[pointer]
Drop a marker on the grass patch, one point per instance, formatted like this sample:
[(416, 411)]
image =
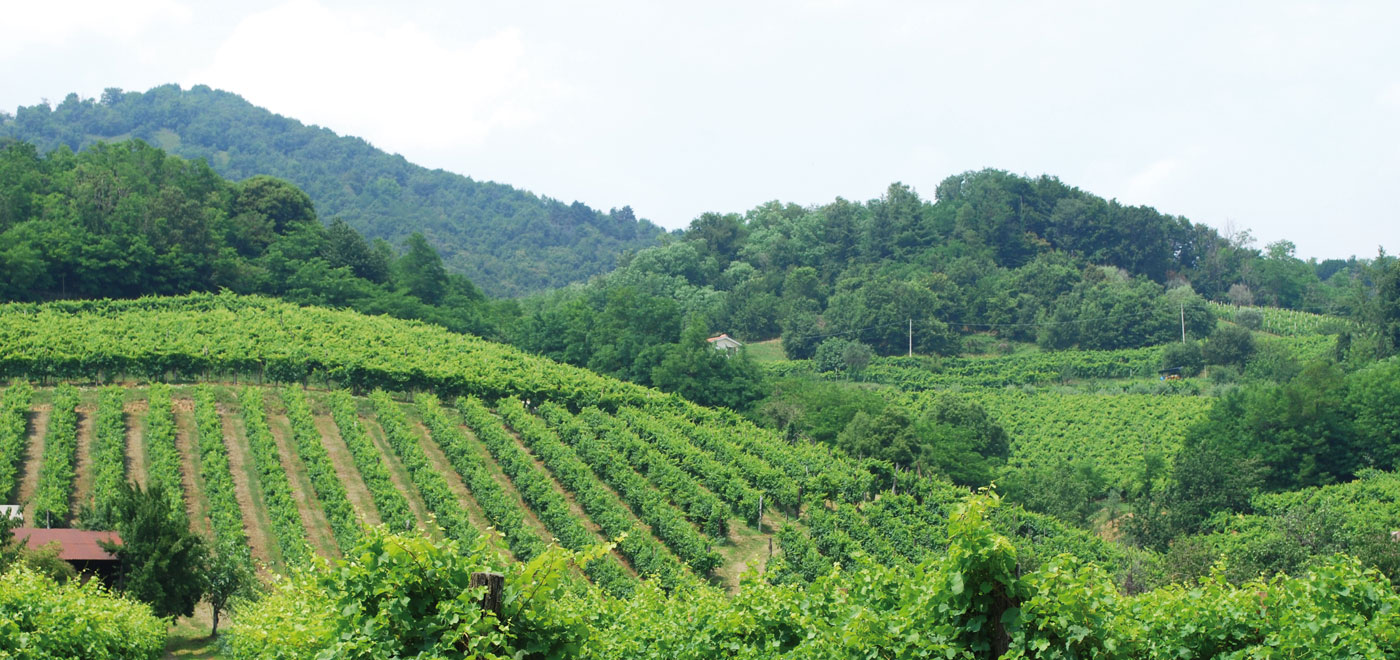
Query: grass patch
[(766, 351)]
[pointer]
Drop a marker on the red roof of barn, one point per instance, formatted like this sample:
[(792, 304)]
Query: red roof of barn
[(74, 544)]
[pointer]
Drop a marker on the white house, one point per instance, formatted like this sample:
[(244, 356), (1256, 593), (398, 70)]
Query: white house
[(725, 343)]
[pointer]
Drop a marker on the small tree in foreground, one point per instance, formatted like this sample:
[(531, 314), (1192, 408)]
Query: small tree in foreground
[(228, 575), (162, 561)]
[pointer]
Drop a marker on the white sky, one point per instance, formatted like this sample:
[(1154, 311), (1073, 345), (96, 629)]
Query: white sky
[(1280, 117)]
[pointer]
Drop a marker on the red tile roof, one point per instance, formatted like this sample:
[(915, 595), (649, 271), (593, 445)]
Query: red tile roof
[(75, 544)]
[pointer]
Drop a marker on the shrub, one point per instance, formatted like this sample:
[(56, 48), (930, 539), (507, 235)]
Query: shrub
[(1186, 357), (1250, 319), (40, 618), (1229, 344)]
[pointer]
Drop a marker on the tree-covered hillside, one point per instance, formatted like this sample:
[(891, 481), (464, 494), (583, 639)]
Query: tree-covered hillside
[(126, 220), (508, 241), (993, 254)]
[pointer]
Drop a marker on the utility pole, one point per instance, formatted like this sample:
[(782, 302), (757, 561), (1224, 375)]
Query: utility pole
[(911, 337), (1183, 323)]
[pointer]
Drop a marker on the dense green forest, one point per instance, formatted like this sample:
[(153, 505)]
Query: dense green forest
[(995, 257), (507, 241), (125, 220)]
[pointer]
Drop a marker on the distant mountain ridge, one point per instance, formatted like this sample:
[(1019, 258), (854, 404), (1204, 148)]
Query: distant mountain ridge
[(508, 241)]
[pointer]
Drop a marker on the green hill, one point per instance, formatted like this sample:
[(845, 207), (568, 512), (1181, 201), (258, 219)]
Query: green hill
[(507, 241)]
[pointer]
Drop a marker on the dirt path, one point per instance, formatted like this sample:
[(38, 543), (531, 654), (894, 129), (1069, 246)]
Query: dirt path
[(397, 473), (248, 491), (577, 510), (344, 464), (82, 490), (136, 466), (196, 506), (33, 457), (495, 470), (439, 461), (313, 518)]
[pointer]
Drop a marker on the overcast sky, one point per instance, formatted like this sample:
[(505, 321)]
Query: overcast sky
[(1278, 117)]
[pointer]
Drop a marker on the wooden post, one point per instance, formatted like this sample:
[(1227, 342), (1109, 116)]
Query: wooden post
[(495, 584)]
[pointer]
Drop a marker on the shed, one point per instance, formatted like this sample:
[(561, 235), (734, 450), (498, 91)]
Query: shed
[(725, 343), (75, 546)]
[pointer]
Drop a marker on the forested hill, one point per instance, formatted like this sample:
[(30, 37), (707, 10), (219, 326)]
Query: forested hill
[(507, 241)]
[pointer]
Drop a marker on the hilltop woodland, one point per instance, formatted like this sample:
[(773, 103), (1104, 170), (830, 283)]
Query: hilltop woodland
[(508, 241)]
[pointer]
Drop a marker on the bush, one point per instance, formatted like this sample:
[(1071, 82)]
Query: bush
[(1250, 319), (1185, 357), (40, 618), (842, 356), (408, 596), (1229, 344)]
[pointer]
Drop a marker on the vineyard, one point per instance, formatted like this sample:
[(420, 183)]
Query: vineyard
[(1114, 431), (431, 431), (284, 433)]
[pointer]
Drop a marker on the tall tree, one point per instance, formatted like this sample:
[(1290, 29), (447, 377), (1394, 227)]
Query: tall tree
[(419, 271), (162, 561)]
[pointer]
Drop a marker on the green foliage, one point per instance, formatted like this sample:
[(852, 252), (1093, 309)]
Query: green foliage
[(57, 472), (680, 487), (1184, 359), (163, 563), (276, 487), (816, 409), (725, 480), (45, 620), (951, 437), (508, 240), (294, 619), (597, 449), (324, 480), (1249, 319), (203, 333), (431, 485), (14, 408), (501, 509), (398, 597), (537, 490), (1229, 344), (225, 516), (698, 372), (1299, 431), (1112, 431), (393, 508), (108, 454), (162, 456), (842, 356), (647, 556), (124, 220), (1065, 489)]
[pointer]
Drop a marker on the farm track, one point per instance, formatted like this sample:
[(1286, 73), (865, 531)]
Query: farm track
[(577, 509), (136, 466), (33, 457), (345, 469), (248, 491), (196, 506), (82, 463), (399, 475), (313, 518), (454, 481), (509, 488)]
